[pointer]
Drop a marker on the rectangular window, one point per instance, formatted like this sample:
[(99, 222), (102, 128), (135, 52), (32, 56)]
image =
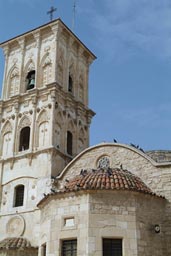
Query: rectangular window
[(69, 222), (19, 196), (69, 247), (112, 247)]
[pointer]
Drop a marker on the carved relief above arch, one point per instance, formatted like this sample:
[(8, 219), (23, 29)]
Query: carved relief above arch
[(7, 127), (59, 118), (46, 66), (81, 88), (71, 126), (42, 117), (72, 68), (29, 66), (24, 122), (81, 133), (13, 81), (80, 145), (60, 67), (81, 140)]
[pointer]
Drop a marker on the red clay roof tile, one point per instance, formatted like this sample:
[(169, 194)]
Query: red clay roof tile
[(14, 243), (107, 179)]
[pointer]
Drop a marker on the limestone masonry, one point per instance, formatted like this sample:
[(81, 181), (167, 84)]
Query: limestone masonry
[(58, 196)]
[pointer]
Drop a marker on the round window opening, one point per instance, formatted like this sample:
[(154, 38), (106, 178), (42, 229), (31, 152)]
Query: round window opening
[(104, 162)]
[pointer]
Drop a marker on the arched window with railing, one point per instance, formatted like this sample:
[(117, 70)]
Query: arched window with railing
[(24, 138)]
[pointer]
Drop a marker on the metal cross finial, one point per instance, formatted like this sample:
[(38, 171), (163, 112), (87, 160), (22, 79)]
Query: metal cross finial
[(51, 11), (73, 17)]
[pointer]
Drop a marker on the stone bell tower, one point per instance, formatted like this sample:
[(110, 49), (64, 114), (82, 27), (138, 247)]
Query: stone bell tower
[(44, 114)]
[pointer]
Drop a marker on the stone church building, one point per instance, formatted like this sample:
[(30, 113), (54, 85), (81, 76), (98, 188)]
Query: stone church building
[(58, 196)]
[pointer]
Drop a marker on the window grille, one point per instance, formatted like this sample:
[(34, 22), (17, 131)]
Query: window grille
[(19, 196), (112, 247), (69, 247)]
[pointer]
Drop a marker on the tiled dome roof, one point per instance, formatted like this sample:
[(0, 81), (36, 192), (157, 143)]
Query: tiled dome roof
[(15, 243), (110, 179)]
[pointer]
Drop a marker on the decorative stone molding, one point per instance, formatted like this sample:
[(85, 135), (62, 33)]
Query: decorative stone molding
[(50, 105), (15, 226), (103, 162), (7, 128), (12, 161), (25, 121), (43, 117)]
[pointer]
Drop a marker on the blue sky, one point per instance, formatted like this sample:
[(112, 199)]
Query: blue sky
[(130, 82)]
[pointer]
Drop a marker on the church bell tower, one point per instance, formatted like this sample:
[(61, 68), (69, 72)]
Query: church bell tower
[(44, 114)]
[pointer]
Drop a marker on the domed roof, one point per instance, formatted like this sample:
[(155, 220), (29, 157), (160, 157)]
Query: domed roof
[(15, 243), (106, 179)]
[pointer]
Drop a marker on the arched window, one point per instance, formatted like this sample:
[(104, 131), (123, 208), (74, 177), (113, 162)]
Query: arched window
[(24, 139), (19, 196), (30, 79), (69, 142), (70, 83)]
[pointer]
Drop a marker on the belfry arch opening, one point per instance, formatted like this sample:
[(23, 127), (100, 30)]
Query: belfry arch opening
[(69, 143), (30, 80), (70, 83), (24, 139)]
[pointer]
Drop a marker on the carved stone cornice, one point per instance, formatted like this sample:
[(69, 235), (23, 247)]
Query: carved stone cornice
[(1, 106), (37, 36), (31, 154), (21, 42), (6, 51), (56, 30)]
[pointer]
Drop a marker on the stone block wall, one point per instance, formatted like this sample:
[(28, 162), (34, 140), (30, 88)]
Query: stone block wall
[(130, 216), (53, 228), (25, 224), (112, 215), (26, 252), (150, 211)]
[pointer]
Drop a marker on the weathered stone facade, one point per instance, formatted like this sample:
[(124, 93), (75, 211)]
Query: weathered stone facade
[(53, 188), (131, 215), (44, 118)]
